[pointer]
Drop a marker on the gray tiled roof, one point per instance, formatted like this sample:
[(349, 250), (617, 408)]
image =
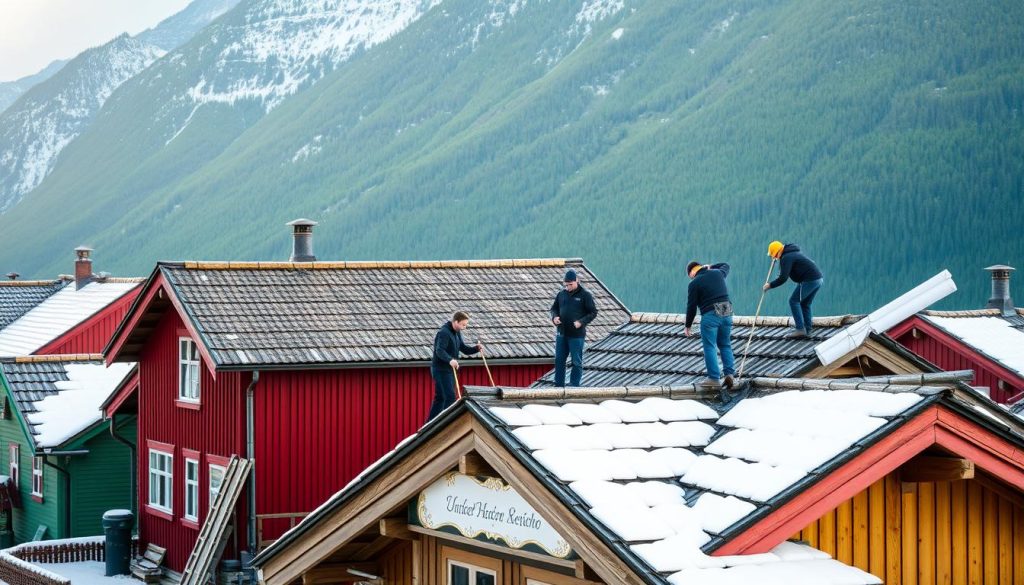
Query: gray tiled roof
[(651, 350), (18, 297), (279, 314)]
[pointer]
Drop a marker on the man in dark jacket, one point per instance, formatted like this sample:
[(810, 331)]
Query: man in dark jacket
[(447, 345), (708, 292), (573, 308), (804, 272)]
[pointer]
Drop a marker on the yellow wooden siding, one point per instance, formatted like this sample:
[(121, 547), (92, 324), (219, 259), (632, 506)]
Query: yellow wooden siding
[(936, 533)]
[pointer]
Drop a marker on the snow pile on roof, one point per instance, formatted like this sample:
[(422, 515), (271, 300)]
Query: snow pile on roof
[(660, 475), (992, 336), (58, 314), (77, 405)]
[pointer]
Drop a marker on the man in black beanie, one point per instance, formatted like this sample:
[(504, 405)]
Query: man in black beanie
[(573, 308)]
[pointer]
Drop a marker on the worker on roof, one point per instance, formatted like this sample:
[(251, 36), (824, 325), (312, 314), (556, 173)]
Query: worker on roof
[(793, 264), (572, 310), (447, 345), (709, 293)]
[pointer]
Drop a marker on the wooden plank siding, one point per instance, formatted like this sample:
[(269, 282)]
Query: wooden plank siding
[(92, 335), (935, 533)]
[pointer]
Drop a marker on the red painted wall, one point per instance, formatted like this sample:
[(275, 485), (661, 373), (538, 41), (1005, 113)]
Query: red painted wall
[(949, 354), (92, 335), (319, 429), (217, 428), (315, 431)]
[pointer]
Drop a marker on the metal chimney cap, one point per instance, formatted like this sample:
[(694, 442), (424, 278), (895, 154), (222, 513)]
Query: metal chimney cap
[(302, 222), (83, 251), (12, 275), (1000, 267)]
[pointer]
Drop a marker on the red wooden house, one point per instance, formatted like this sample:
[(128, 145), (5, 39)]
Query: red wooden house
[(324, 363), (989, 341)]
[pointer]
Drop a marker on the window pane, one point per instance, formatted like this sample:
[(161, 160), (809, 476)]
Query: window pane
[(458, 575), (484, 579)]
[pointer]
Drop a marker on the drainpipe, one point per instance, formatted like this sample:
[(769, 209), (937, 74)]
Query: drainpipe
[(67, 484), (250, 453), (132, 466)]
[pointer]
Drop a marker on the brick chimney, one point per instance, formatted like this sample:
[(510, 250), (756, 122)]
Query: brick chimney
[(1001, 289), (302, 240), (83, 266)]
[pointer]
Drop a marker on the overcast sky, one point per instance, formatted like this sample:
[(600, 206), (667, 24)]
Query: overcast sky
[(35, 32)]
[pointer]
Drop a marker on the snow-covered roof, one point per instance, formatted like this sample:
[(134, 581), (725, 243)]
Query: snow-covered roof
[(58, 314), (669, 476), (989, 333), (59, 396)]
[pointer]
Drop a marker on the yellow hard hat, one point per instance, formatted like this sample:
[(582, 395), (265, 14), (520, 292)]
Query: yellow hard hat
[(775, 248)]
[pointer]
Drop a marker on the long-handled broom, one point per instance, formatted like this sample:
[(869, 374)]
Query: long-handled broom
[(753, 325)]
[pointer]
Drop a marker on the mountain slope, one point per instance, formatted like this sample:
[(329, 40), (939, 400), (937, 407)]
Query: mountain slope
[(51, 114), (883, 138), (12, 90)]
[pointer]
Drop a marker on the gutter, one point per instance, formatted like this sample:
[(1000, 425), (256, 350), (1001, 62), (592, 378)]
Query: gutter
[(132, 466), (250, 453)]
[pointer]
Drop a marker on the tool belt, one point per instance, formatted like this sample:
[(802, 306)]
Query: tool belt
[(723, 309)]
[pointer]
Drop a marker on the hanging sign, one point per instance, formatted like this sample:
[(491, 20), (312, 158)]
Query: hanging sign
[(487, 509)]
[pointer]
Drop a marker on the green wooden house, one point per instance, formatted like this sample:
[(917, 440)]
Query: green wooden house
[(67, 464)]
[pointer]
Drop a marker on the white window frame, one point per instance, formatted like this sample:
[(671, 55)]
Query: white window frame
[(37, 476), (473, 571), (14, 464), (213, 492), (191, 490), (188, 370), (159, 476)]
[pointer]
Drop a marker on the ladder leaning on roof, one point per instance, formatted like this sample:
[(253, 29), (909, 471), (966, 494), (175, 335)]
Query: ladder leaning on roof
[(213, 535)]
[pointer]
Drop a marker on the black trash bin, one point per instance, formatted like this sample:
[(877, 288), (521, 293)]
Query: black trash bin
[(117, 547)]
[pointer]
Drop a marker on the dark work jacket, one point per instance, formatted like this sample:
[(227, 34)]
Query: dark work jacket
[(571, 307), (795, 265), (447, 345), (706, 289)]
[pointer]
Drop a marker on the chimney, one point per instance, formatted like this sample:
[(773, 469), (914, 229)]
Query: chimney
[(1001, 289), (83, 266), (302, 240), (13, 275)]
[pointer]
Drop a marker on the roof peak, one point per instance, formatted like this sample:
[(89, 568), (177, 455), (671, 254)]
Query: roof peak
[(372, 264), (16, 283), (745, 320)]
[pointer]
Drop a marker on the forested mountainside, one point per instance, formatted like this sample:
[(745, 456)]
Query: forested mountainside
[(882, 137)]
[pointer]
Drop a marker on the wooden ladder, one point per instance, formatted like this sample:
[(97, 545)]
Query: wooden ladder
[(213, 534)]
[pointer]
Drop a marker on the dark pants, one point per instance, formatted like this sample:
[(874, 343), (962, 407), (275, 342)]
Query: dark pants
[(566, 347), (444, 390), (716, 333), (800, 303)]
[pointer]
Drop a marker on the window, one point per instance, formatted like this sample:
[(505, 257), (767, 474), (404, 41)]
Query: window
[(466, 568), (37, 477), (14, 452), (192, 489), (160, 480), (188, 370), (216, 480)]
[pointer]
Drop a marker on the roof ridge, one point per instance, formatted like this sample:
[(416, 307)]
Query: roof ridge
[(969, 313), (16, 283), (510, 393), (744, 320), (374, 264), (71, 357)]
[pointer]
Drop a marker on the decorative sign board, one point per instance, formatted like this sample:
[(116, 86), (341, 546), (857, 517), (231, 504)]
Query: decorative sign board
[(487, 508)]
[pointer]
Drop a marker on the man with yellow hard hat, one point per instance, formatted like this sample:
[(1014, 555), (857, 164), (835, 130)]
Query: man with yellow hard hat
[(708, 292), (793, 264)]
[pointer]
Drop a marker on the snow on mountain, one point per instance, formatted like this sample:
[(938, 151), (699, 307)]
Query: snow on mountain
[(282, 46), (37, 127), (12, 90)]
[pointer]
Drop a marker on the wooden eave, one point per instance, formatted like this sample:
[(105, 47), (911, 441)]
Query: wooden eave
[(873, 349), (388, 493), (938, 425)]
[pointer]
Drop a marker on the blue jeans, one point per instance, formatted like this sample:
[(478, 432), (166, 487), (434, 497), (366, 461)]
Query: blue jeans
[(715, 333), (566, 347), (800, 303), (444, 390)]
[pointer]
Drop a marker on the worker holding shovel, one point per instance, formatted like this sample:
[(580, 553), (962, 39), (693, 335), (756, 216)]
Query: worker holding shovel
[(793, 264), (444, 364)]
